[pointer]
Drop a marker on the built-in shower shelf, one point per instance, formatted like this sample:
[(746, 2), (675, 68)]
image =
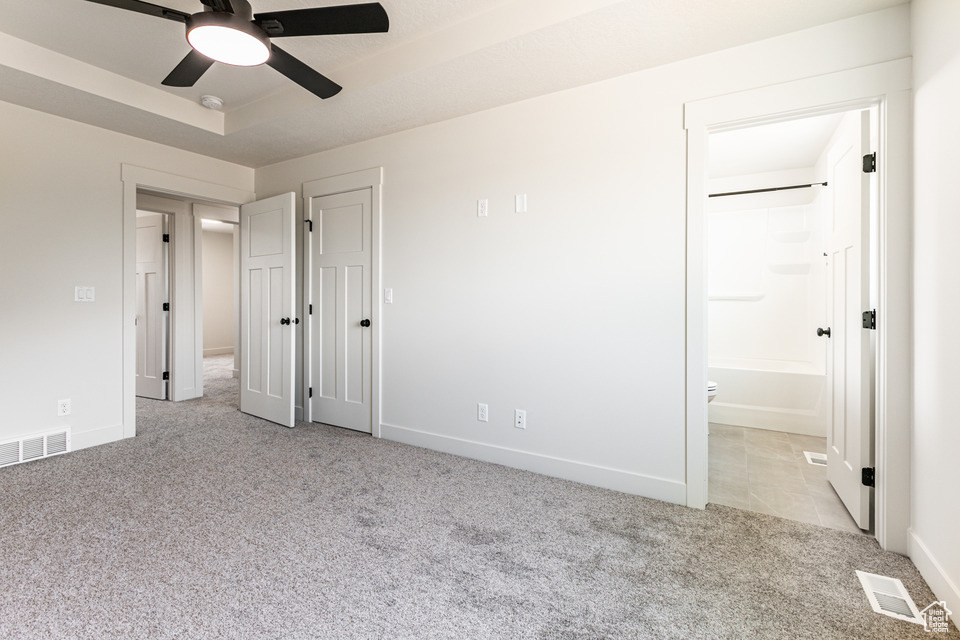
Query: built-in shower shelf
[(791, 236), (790, 268), (743, 296)]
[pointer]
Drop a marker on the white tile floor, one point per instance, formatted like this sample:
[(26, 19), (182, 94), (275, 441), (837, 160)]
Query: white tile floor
[(766, 471)]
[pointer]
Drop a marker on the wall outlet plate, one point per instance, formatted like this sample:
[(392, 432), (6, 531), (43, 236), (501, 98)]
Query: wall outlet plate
[(63, 407), (482, 412), (520, 419), (482, 208)]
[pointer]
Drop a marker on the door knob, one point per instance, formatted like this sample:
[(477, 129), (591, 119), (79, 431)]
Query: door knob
[(284, 320), (364, 323), (824, 332)]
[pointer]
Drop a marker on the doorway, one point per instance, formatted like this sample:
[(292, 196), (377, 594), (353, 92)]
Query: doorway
[(780, 194), (885, 87), (221, 302)]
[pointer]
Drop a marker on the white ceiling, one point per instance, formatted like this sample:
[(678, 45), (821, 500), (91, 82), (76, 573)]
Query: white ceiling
[(795, 144), (440, 59)]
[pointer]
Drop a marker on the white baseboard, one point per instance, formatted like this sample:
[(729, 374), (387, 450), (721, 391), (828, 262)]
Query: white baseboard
[(95, 437), (616, 479), (771, 419), (932, 571), (218, 351)]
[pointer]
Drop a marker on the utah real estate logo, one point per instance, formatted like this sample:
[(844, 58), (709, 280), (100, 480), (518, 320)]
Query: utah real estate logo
[(936, 617)]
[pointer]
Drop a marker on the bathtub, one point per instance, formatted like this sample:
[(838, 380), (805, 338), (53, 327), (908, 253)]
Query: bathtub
[(779, 395)]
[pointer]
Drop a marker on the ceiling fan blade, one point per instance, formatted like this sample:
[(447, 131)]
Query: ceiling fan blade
[(311, 80), (323, 21), (147, 8), (189, 70), (218, 5)]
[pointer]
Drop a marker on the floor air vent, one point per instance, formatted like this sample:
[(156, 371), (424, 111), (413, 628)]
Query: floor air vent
[(889, 597), (34, 447), (816, 458)]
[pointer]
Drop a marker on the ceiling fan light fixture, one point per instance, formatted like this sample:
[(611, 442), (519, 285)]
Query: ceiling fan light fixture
[(226, 38)]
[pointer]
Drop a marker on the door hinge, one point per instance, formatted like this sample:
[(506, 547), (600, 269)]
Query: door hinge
[(311, 310), (867, 476), (310, 392), (870, 162), (310, 225), (166, 237), (166, 375), (870, 319), (166, 306)]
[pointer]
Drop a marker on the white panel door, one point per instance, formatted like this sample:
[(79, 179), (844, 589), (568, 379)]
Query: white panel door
[(340, 329), (849, 437), (151, 318), (267, 308)]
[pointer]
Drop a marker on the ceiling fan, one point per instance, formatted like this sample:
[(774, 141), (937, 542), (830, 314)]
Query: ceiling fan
[(228, 31)]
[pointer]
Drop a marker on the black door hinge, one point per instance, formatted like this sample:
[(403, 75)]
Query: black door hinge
[(310, 392), (166, 306), (166, 237), (310, 225), (870, 162), (867, 476), (311, 309), (166, 375), (870, 319)]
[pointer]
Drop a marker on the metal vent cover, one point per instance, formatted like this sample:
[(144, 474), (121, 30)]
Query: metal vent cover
[(889, 597), (34, 447)]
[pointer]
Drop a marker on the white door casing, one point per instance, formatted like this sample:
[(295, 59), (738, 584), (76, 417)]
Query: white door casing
[(849, 354), (151, 321), (340, 274), (267, 308)]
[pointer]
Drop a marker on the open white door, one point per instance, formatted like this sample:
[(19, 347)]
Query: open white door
[(849, 438), (340, 332), (151, 319), (267, 312)]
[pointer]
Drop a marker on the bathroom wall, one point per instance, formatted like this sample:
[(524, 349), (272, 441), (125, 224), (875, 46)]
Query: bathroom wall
[(767, 297)]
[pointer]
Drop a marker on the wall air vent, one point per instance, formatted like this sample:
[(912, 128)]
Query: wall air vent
[(34, 447)]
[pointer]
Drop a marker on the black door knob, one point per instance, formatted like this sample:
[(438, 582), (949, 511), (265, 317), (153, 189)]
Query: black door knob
[(284, 320), (364, 323), (824, 332), (296, 321)]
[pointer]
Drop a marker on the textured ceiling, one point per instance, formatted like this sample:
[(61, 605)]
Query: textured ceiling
[(441, 59)]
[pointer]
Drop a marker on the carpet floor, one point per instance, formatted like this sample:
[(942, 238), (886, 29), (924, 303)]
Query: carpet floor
[(214, 524)]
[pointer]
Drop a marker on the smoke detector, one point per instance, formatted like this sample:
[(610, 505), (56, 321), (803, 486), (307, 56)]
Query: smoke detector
[(212, 102)]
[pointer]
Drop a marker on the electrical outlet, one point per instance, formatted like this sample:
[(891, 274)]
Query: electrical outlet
[(482, 412), (520, 419), (63, 407), (482, 208)]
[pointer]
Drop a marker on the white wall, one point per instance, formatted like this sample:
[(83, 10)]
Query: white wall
[(573, 311), (218, 292), (936, 442), (61, 205)]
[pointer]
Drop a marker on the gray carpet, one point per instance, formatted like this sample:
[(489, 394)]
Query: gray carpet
[(214, 524)]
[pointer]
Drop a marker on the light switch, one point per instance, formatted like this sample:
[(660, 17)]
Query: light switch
[(521, 201), (90, 294), (388, 296), (79, 294)]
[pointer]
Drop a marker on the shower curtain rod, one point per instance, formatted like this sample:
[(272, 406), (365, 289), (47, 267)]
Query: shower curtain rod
[(740, 193)]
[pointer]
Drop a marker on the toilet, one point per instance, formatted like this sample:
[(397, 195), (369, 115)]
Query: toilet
[(711, 390)]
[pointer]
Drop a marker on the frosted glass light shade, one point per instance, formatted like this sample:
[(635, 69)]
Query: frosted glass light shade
[(229, 45)]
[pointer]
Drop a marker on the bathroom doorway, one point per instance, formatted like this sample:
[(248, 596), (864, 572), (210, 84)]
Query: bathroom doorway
[(791, 372)]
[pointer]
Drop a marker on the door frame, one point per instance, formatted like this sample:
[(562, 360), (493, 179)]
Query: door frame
[(886, 86), (355, 181), (134, 178)]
